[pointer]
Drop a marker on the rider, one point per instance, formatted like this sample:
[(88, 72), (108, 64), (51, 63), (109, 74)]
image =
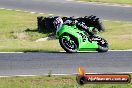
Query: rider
[(81, 25), (58, 22)]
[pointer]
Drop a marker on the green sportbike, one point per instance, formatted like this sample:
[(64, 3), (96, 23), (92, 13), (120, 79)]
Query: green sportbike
[(73, 39)]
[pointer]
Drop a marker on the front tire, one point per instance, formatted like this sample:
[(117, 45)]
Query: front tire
[(69, 46)]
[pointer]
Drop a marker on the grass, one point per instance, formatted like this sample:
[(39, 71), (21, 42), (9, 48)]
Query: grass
[(118, 34), (52, 82), (18, 32), (111, 1)]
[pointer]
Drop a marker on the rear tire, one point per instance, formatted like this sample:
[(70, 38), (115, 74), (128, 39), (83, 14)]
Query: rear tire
[(103, 47)]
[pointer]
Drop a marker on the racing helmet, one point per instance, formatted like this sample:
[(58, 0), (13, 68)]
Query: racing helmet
[(58, 22)]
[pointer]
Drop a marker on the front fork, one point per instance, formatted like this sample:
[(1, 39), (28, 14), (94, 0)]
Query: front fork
[(67, 38)]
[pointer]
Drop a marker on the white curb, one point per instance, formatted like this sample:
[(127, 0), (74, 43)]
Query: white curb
[(51, 14), (83, 51), (65, 74), (32, 12), (11, 52), (69, 0), (106, 4), (121, 50)]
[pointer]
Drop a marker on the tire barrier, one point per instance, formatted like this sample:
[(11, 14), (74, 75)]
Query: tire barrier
[(45, 24)]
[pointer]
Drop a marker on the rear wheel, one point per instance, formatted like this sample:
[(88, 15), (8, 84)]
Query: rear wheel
[(69, 46), (103, 45)]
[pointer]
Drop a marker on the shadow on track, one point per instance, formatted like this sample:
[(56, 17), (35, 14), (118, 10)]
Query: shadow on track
[(58, 52)]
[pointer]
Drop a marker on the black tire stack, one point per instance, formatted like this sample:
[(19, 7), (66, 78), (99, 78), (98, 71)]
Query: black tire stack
[(45, 24)]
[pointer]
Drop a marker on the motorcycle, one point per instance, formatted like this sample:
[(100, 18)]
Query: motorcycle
[(72, 39)]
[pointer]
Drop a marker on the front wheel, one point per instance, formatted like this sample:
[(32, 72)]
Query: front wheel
[(70, 45)]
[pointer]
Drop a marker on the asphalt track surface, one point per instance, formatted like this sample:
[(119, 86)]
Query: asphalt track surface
[(41, 63), (70, 8), (64, 63)]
